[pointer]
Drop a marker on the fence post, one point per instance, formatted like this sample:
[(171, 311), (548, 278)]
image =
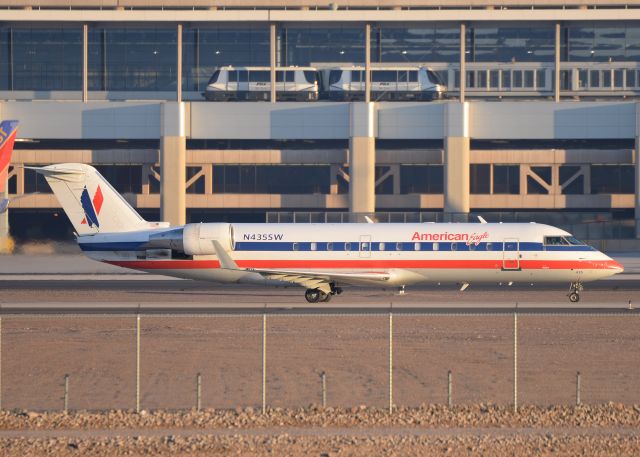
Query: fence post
[(515, 360), (264, 363), (66, 393), (324, 389), (449, 389), (138, 362), (390, 361), (578, 387), (198, 392)]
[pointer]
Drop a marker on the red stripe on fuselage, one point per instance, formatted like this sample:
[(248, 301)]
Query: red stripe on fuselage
[(359, 264)]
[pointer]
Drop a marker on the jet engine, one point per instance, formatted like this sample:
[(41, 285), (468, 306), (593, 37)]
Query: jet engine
[(194, 239)]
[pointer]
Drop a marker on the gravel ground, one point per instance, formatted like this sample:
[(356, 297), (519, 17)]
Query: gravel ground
[(490, 430)]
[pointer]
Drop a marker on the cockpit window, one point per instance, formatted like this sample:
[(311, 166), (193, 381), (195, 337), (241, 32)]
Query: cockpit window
[(562, 241)]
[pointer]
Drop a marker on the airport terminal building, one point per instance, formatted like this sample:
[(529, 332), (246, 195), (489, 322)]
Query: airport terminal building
[(537, 116)]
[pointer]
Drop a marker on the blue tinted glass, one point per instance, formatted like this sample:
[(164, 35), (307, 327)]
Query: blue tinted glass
[(416, 44), (43, 58), (305, 46), (602, 41), (5, 62), (132, 59), (206, 48), (511, 43)]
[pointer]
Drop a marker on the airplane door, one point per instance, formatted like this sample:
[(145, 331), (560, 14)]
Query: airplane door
[(365, 245), (511, 254)]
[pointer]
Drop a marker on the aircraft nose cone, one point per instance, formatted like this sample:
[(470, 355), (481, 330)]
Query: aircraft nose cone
[(618, 268)]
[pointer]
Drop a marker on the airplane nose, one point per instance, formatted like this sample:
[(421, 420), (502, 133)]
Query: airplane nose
[(618, 268)]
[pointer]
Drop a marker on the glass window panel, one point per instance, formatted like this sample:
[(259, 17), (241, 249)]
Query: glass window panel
[(506, 179), (510, 43), (259, 76), (379, 76), (612, 179), (534, 187), (421, 179), (480, 178), (306, 46), (543, 172)]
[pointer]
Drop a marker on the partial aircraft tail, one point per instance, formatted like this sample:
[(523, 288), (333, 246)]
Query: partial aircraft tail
[(89, 201), (8, 131)]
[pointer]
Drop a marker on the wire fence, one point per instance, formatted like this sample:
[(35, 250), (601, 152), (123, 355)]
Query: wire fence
[(385, 360)]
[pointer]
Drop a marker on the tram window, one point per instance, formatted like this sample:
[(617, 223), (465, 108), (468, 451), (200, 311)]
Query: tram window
[(381, 246), (494, 79), (347, 246), (356, 76), (334, 76), (540, 79), (398, 246), (436, 246), (243, 76), (290, 76), (606, 79), (384, 76), (329, 246), (314, 246), (233, 76), (517, 78), (506, 80), (296, 246), (413, 76), (214, 77), (434, 77), (595, 78), (311, 76), (259, 77), (482, 79), (416, 246), (279, 76), (618, 78)]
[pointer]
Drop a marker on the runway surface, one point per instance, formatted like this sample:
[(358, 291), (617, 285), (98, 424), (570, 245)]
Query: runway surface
[(169, 296)]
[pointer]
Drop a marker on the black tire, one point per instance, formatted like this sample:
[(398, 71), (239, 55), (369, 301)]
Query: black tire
[(326, 298), (312, 295), (574, 297)]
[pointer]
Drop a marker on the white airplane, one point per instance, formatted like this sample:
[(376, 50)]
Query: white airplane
[(322, 258)]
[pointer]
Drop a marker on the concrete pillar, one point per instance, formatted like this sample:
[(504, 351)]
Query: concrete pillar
[(456, 159), (173, 149), (463, 60), (362, 158), (85, 63)]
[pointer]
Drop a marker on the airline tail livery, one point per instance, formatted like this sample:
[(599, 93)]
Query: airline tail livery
[(321, 258), (8, 131)]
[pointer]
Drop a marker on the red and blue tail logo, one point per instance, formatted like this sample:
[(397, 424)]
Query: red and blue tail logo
[(91, 207), (8, 131)]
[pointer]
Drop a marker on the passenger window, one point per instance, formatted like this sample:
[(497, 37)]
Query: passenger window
[(416, 246), (279, 75), (454, 246), (291, 76), (296, 246), (233, 76), (381, 246), (310, 76), (314, 246), (436, 246), (259, 77), (355, 76), (329, 246), (335, 76), (413, 76), (214, 77), (243, 76), (347, 246), (364, 246), (398, 246), (384, 76), (489, 246), (472, 246)]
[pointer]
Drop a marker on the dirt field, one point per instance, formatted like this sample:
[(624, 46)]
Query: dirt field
[(99, 355)]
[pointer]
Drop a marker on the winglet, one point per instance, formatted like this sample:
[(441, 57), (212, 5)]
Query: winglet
[(369, 220), (7, 138), (225, 259), (482, 220)]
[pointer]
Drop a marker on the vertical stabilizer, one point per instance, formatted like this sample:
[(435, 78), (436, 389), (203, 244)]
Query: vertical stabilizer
[(89, 201)]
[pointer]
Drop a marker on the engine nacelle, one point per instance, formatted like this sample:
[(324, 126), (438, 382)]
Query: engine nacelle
[(197, 238)]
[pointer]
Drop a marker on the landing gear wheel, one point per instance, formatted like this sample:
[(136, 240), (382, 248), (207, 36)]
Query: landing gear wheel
[(574, 297), (313, 295), (325, 297)]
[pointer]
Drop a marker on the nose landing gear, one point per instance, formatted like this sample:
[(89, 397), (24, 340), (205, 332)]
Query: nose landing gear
[(574, 292)]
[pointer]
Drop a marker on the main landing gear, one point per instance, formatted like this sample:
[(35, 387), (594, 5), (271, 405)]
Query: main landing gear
[(574, 292), (317, 295)]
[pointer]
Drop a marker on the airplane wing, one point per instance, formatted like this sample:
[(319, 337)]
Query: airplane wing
[(310, 279), (319, 279)]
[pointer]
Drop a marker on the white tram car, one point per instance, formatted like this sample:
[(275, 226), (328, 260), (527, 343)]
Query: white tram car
[(393, 83), (254, 83)]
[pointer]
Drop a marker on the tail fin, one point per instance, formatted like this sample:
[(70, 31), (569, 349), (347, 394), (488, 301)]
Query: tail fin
[(8, 131), (89, 201)]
